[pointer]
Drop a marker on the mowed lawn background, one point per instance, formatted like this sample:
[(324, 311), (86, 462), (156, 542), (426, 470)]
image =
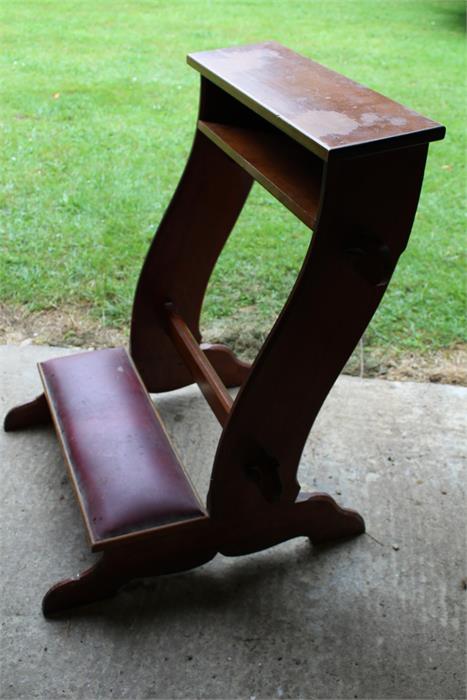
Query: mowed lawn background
[(97, 120)]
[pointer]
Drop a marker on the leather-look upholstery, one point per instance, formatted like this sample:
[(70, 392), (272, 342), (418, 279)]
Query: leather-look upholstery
[(123, 465)]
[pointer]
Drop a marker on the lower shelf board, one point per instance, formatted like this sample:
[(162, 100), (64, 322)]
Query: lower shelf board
[(280, 164)]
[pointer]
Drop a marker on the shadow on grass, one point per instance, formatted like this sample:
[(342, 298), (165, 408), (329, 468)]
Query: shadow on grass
[(452, 15)]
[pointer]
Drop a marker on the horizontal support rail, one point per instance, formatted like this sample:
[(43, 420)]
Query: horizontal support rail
[(199, 366)]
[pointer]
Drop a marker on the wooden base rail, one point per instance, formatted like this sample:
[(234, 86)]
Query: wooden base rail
[(201, 369), (346, 161)]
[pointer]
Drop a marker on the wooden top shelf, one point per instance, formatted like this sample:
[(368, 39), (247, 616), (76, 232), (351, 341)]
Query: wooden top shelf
[(327, 113)]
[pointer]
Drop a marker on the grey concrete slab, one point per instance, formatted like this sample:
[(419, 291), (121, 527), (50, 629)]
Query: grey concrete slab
[(382, 616)]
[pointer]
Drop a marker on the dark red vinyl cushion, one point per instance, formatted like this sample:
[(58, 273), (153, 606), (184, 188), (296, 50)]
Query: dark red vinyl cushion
[(126, 471)]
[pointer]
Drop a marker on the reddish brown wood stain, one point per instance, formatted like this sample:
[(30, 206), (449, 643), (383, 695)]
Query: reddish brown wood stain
[(270, 115)]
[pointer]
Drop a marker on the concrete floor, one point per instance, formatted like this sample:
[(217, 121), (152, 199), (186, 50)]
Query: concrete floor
[(381, 616)]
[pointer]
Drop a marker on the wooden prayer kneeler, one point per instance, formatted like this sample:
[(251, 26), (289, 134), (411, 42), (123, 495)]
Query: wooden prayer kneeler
[(346, 161)]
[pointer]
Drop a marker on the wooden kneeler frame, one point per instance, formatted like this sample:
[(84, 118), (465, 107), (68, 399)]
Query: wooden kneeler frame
[(347, 162)]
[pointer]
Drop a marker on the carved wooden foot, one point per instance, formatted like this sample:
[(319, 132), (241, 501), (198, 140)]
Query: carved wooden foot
[(121, 565), (97, 583), (323, 520), (27, 415), (230, 369), (316, 516)]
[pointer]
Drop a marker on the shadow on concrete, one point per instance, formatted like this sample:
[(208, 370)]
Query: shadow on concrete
[(164, 600)]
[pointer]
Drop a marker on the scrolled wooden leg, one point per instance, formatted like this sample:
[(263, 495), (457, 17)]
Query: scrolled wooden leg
[(179, 263), (27, 415)]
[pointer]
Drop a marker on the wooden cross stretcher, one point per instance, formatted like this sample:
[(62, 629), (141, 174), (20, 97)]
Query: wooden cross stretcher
[(346, 161)]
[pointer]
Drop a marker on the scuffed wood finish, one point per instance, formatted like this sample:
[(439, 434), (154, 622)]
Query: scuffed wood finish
[(321, 109)]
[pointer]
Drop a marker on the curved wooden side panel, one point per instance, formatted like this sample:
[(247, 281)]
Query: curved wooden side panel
[(195, 227), (367, 209)]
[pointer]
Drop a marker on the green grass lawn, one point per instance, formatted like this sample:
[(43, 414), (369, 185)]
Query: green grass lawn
[(98, 113)]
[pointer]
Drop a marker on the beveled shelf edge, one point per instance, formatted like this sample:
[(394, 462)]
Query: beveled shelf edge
[(411, 138), (308, 215)]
